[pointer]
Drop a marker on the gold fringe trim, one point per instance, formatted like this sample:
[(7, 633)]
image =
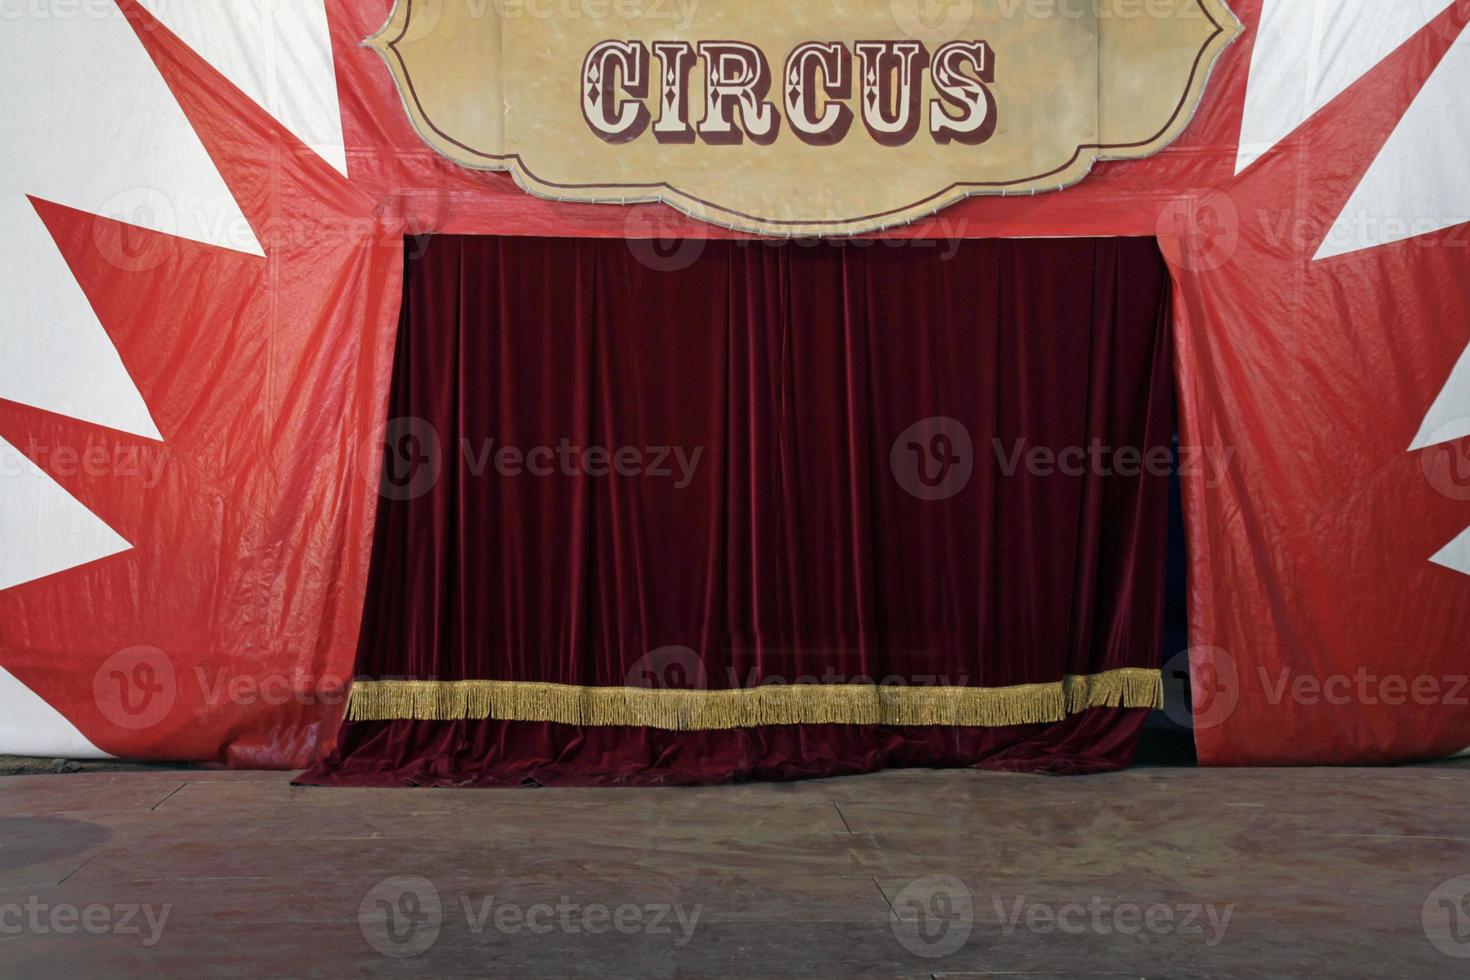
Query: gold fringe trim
[(773, 704)]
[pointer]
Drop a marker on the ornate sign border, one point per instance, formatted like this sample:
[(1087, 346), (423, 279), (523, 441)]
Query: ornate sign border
[(1226, 28)]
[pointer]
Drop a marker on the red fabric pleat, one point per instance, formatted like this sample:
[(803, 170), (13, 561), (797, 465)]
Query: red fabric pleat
[(787, 535)]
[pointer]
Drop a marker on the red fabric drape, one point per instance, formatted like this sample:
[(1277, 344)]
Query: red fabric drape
[(524, 753), (711, 462)]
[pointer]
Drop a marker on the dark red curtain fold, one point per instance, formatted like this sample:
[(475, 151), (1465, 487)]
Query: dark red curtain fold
[(523, 753), (749, 462)]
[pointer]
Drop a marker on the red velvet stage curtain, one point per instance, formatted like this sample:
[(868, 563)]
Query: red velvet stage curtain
[(926, 465)]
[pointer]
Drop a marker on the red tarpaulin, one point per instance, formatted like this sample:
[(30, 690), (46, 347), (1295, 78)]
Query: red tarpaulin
[(204, 272)]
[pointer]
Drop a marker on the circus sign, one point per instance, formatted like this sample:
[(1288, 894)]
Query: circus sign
[(754, 115)]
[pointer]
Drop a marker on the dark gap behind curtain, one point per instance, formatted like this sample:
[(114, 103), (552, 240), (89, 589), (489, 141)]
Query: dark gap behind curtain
[(798, 547)]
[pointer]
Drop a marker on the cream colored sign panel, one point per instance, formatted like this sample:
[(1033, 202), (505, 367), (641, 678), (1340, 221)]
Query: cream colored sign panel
[(800, 117)]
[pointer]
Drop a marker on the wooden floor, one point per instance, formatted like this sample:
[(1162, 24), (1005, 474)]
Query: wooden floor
[(1149, 873)]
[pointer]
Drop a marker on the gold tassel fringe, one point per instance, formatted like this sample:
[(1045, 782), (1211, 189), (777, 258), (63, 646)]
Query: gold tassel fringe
[(773, 704)]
